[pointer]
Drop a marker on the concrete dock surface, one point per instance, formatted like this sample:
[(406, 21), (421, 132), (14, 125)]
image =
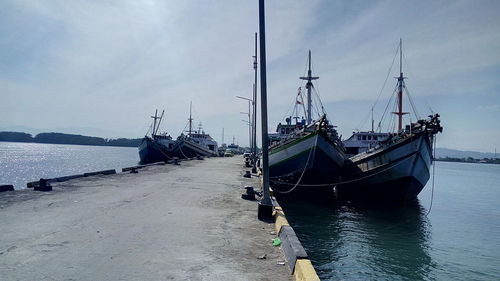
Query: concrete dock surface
[(168, 222)]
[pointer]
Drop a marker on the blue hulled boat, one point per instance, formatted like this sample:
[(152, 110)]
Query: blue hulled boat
[(159, 146), (306, 157)]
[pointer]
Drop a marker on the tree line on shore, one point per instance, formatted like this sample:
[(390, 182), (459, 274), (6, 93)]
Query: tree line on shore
[(60, 138), (469, 160)]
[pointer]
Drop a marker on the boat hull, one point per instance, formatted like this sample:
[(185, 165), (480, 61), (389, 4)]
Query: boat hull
[(189, 149), (311, 161), (151, 152), (396, 173)]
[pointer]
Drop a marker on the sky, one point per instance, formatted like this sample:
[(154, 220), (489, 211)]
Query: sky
[(102, 68)]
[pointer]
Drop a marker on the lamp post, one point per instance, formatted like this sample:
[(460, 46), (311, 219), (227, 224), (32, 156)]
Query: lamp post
[(254, 121), (250, 123), (265, 209)]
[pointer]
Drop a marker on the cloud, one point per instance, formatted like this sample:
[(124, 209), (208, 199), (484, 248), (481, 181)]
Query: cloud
[(109, 64), (490, 107)]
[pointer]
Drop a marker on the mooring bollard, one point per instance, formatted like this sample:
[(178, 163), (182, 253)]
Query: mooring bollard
[(250, 195), (175, 161), (134, 171), (247, 174), (43, 185), (199, 157)]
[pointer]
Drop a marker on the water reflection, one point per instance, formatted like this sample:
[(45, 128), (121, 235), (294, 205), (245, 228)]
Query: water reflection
[(363, 242)]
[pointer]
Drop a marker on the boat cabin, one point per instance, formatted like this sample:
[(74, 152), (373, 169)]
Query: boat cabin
[(360, 142), (204, 139), (164, 139), (284, 130)]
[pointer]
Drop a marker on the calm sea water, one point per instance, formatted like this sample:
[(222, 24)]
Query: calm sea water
[(458, 240), (24, 162)]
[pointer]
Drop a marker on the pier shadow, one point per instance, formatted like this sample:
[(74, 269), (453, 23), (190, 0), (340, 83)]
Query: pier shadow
[(363, 241)]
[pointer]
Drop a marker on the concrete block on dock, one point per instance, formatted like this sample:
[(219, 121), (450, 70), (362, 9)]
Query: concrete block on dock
[(291, 246), (104, 172), (128, 169), (304, 271), (6, 187), (67, 178)]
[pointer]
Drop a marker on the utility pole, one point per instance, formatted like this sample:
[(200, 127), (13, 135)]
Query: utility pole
[(254, 135), (265, 209)]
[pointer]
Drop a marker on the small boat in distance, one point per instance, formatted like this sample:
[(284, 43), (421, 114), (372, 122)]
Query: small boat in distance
[(157, 147), (306, 157), (390, 166), (195, 143)]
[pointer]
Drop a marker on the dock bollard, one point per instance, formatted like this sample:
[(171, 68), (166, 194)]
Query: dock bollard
[(250, 195), (43, 186), (175, 161), (133, 171), (247, 174), (199, 157)]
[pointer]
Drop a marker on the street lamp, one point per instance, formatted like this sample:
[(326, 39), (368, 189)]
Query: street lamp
[(250, 124)]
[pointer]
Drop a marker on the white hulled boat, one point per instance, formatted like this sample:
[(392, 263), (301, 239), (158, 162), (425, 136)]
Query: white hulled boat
[(195, 143)]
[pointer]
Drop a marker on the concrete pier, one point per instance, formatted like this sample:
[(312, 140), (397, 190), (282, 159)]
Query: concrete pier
[(167, 222)]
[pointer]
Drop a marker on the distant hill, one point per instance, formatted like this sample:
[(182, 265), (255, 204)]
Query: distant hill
[(453, 153), (60, 138)]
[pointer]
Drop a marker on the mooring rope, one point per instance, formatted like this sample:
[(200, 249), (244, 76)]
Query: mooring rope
[(170, 158), (313, 148), (433, 174), (343, 182), (182, 152)]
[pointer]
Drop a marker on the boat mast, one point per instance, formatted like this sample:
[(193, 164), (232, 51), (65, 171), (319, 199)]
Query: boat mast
[(158, 125), (372, 121), (309, 86), (401, 81), (190, 118), (154, 122)]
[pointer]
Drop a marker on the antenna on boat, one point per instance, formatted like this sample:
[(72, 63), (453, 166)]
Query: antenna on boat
[(222, 136), (309, 86), (372, 120), (190, 118), (401, 82)]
